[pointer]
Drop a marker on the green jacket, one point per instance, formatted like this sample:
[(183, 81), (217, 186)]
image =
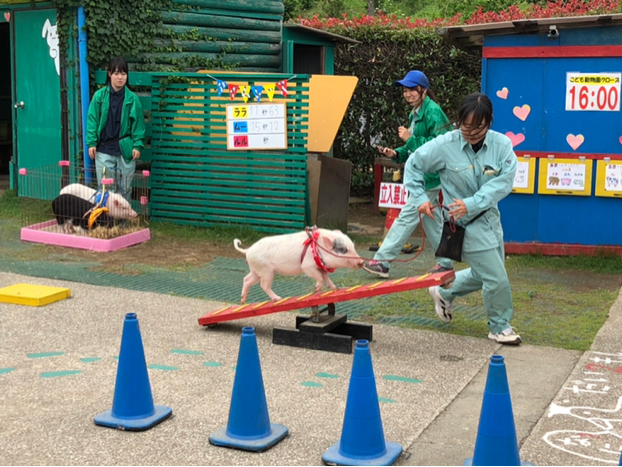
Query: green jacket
[(132, 130), (431, 122)]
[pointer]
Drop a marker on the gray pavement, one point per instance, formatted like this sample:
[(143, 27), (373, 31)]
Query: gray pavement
[(58, 368)]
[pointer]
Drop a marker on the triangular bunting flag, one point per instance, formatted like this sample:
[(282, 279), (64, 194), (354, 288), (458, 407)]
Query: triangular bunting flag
[(257, 91), (233, 90), (282, 85), (270, 91), (246, 92), (221, 86)]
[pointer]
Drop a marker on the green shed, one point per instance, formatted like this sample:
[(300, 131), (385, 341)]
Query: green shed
[(42, 117)]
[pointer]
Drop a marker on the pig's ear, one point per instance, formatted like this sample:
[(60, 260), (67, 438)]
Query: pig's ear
[(327, 242)]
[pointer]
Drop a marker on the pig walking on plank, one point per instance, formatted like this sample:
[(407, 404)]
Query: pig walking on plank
[(293, 254), (117, 205), (73, 211)]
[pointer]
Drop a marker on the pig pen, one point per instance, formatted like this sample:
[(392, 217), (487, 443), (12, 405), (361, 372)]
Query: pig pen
[(128, 221)]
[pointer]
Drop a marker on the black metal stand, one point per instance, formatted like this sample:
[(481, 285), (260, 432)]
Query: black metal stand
[(329, 332)]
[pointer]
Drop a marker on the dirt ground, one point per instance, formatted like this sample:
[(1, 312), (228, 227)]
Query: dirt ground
[(164, 252)]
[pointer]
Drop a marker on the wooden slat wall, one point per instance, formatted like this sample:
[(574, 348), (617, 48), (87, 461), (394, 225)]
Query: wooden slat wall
[(196, 180), (244, 34)]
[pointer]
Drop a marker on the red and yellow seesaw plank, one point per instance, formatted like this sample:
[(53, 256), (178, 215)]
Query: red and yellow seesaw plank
[(323, 298)]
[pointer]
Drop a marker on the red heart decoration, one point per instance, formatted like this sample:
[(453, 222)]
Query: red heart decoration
[(7, 16)]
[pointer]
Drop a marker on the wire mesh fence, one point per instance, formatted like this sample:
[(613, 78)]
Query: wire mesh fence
[(77, 201)]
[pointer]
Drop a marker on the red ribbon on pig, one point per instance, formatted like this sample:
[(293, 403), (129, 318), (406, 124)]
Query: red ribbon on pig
[(312, 240)]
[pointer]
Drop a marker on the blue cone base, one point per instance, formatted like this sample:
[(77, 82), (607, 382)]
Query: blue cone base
[(220, 438), (469, 461), (133, 424), (332, 456)]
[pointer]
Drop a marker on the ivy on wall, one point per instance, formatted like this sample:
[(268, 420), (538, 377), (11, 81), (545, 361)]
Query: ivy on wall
[(130, 29), (114, 27)]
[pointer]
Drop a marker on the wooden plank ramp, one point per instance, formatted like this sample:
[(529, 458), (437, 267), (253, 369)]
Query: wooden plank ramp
[(356, 292)]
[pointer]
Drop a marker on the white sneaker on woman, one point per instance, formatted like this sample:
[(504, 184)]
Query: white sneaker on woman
[(443, 307), (508, 336)]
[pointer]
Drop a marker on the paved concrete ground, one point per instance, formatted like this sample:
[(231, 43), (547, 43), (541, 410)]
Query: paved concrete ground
[(58, 367)]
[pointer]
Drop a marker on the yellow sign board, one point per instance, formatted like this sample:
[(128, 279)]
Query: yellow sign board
[(329, 97)]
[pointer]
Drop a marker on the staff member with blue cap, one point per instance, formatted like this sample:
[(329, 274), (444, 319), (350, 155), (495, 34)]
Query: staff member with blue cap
[(426, 121)]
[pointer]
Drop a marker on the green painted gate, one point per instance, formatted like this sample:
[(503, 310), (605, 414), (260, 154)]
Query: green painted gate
[(196, 180), (37, 90)]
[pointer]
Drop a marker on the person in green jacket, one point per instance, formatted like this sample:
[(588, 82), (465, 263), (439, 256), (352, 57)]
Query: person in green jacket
[(115, 131), (425, 122)]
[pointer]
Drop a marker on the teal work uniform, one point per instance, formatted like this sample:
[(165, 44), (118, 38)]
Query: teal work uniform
[(481, 180), (425, 123), (131, 133)]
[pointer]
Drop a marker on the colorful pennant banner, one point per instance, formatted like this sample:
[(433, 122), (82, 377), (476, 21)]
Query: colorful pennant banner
[(257, 91)]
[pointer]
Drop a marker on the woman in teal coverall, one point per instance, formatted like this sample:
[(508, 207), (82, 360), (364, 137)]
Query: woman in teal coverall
[(476, 166), (115, 131), (426, 121)]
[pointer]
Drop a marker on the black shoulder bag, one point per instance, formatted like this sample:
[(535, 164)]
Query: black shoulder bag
[(452, 237)]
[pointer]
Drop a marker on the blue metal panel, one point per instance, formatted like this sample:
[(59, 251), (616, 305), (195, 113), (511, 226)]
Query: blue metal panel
[(519, 217), (524, 79), (601, 130), (580, 220), (607, 35), (533, 40), (541, 83), (484, 75)]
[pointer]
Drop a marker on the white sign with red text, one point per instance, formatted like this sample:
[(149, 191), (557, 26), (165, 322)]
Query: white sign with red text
[(593, 91), (392, 195)]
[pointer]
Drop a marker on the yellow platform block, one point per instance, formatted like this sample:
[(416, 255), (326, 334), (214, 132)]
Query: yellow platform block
[(33, 295)]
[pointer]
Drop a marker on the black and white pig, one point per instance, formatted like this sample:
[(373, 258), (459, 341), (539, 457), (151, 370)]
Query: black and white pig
[(72, 211), (282, 254), (118, 206)]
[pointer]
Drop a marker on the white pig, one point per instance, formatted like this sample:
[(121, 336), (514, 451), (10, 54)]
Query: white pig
[(118, 206), (282, 254)]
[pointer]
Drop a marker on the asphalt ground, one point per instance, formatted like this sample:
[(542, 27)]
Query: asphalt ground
[(58, 367)]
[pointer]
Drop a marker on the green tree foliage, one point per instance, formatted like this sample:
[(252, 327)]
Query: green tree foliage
[(384, 56)]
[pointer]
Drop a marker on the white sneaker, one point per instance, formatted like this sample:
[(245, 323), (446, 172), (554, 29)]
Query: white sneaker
[(443, 307), (508, 336)]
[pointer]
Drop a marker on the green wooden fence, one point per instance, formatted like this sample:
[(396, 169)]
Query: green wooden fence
[(196, 180)]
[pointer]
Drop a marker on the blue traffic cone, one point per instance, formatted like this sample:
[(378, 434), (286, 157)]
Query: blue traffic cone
[(132, 406), (249, 426), (496, 442), (362, 437)]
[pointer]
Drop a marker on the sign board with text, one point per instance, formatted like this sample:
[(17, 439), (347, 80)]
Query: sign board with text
[(593, 91), (256, 126), (392, 195)]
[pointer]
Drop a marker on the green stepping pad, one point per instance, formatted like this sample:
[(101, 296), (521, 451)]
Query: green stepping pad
[(163, 367), (44, 354), (401, 379), (56, 374)]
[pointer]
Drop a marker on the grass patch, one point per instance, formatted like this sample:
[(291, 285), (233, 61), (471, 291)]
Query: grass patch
[(558, 301), (14, 207), (219, 235), (604, 262)]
